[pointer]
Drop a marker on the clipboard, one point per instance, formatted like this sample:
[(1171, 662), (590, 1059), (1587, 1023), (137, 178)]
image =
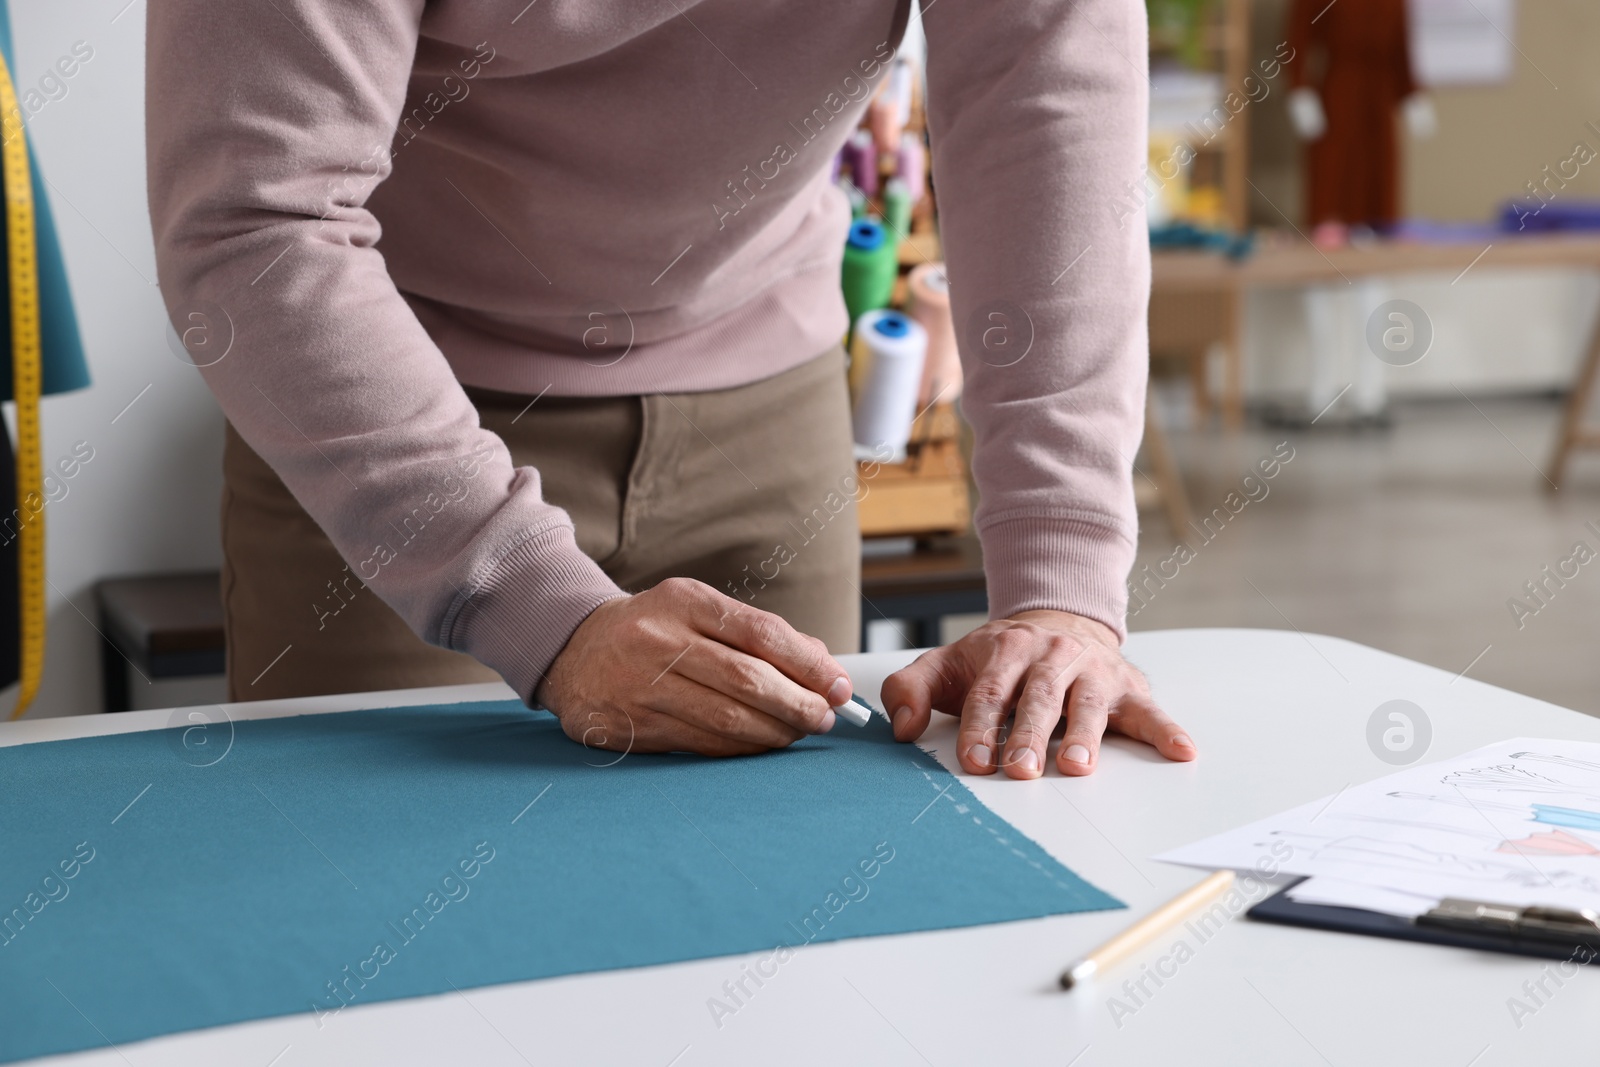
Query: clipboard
[(1547, 933)]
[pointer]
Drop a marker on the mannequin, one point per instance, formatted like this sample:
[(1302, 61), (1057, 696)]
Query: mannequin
[(1354, 74)]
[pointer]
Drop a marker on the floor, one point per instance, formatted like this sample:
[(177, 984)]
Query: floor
[(1415, 539)]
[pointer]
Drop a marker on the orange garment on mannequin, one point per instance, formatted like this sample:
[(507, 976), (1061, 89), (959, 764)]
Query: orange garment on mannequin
[(1355, 54)]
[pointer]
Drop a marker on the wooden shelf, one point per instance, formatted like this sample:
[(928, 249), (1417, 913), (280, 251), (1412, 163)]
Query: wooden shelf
[(1227, 46), (920, 248), (928, 492)]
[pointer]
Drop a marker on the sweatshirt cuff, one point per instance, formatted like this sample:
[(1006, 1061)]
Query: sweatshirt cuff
[(518, 616), (1057, 564)]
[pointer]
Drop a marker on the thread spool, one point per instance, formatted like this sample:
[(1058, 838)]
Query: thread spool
[(930, 306), (883, 119), (871, 265), (849, 164), (895, 347), (890, 107), (859, 205), (902, 76), (864, 162), (897, 208), (911, 165)]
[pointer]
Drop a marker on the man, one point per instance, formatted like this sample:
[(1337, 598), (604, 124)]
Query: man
[(565, 316)]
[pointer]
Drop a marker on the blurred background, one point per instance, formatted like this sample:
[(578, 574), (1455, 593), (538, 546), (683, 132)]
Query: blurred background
[(1373, 327), (1376, 232), (1412, 307)]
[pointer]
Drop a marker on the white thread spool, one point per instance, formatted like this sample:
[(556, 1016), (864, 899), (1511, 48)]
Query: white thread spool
[(886, 404)]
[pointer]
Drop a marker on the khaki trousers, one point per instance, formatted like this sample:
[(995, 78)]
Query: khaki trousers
[(750, 490)]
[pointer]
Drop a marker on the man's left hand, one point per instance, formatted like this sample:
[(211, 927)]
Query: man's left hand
[(1048, 666)]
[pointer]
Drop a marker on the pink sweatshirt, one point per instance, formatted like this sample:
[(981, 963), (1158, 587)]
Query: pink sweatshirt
[(365, 203)]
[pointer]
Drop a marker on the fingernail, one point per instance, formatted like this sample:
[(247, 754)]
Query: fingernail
[(902, 715), (979, 754), (1077, 754), (839, 691), (828, 719), (1028, 761), (1183, 739)]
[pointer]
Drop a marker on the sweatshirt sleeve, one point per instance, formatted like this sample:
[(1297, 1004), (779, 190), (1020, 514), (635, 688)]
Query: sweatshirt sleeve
[(268, 126), (1037, 115)]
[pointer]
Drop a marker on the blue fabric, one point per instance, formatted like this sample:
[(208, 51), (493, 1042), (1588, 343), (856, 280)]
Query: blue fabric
[(274, 866), (64, 367)]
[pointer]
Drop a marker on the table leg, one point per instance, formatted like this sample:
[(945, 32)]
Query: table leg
[(1168, 479), (927, 631), (113, 675), (1578, 401), (1369, 394), (1233, 360)]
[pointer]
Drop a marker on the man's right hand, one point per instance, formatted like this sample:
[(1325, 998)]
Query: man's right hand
[(683, 668)]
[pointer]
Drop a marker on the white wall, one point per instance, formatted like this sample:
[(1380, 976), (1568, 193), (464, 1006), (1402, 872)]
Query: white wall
[(148, 500)]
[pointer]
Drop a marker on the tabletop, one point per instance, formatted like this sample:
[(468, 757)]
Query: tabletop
[(1280, 718), (1287, 259)]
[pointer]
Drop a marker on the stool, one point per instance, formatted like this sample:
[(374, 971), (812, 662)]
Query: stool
[(942, 576), (165, 625)]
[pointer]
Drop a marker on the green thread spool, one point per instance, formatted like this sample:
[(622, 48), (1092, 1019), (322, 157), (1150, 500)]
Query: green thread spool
[(897, 208), (859, 204), (871, 264)]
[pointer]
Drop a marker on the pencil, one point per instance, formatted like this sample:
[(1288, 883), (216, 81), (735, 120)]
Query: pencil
[(1141, 933)]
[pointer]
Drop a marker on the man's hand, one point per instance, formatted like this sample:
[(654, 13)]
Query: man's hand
[(683, 668), (1047, 665)]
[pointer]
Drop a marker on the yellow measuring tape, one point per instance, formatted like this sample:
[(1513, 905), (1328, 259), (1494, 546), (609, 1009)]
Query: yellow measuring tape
[(25, 375)]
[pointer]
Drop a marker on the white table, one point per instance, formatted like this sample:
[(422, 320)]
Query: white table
[(1280, 719)]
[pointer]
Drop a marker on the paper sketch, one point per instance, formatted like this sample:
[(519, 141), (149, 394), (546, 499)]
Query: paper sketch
[(1550, 843), (1514, 823)]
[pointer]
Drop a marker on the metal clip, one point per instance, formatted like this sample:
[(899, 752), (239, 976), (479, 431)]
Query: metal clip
[(1538, 922)]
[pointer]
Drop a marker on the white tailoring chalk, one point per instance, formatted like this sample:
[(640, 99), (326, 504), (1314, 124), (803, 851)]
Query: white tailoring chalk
[(855, 711)]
